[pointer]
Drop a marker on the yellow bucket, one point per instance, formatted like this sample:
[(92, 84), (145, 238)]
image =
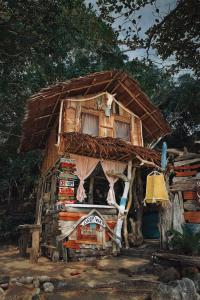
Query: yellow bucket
[(156, 190)]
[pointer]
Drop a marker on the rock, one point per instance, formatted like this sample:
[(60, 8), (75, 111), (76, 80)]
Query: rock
[(44, 278), (196, 280), (91, 283), (4, 279), (55, 256), (48, 287), (177, 290), (26, 280), (61, 284), (37, 291), (189, 272), (168, 275), (13, 280), (18, 283), (4, 286), (36, 282)]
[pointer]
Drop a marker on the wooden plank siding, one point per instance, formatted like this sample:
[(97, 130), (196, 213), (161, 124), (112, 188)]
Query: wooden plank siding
[(71, 122)]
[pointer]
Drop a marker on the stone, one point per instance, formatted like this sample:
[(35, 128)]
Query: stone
[(36, 282), (196, 280), (61, 284), (168, 275), (48, 287), (4, 279), (2, 293), (37, 291), (43, 278), (13, 280), (18, 283), (4, 286), (26, 280), (176, 290)]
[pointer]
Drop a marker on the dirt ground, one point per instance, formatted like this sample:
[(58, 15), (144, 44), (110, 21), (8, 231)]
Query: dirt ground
[(108, 278)]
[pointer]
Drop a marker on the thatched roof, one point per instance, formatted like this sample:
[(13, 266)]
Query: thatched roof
[(43, 107), (107, 148)]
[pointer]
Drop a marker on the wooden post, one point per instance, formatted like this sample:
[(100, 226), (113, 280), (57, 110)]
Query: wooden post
[(35, 245), (136, 236), (130, 200), (165, 218)]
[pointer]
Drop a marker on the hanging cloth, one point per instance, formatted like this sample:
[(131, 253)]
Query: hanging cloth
[(156, 190), (117, 167), (84, 167)]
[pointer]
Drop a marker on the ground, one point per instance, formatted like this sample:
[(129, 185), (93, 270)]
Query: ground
[(107, 278)]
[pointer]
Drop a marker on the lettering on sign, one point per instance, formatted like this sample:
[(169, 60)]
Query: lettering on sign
[(93, 219)]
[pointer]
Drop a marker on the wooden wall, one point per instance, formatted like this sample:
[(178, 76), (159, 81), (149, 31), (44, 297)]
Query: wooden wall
[(51, 152), (72, 118), (71, 122)]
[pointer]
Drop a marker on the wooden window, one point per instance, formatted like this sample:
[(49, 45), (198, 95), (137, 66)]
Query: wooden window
[(90, 124), (122, 130), (136, 132)]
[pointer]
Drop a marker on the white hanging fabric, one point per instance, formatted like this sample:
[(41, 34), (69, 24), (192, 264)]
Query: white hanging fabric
[(117, 167), (84, 167)]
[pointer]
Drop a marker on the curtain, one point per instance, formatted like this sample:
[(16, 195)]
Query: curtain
[(84, 167), (89, 124), (117, 167), (122, 130)]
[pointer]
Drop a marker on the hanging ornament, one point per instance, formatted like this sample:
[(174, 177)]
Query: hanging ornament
[(156, 190)]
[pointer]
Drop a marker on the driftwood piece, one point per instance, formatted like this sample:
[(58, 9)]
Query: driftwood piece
[(187, 161), (178, 211), (191, 205), (177, 258)]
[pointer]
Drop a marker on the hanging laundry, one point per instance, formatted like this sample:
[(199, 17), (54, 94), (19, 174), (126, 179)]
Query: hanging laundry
[(156, 190)]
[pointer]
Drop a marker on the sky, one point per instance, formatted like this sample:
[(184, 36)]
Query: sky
[(149, 15)]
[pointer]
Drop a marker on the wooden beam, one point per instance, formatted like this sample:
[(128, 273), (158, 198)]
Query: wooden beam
[(45, 116), (138, 102)]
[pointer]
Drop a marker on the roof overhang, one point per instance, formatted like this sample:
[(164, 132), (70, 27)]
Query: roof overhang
[(109, 148), (43, 108)]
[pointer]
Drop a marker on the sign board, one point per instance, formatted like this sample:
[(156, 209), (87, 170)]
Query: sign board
[(66, 183), (93, 220)]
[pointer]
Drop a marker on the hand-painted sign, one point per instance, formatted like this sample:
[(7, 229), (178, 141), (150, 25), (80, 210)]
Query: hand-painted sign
[(93, 219), (66, 183)]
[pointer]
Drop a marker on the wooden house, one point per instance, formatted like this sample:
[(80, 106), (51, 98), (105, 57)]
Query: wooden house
[(92, 129)]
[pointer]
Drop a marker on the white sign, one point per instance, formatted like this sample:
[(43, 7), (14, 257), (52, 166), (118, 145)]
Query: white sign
[(93, 219)]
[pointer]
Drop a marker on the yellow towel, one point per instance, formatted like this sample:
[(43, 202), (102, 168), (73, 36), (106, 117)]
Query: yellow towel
[(156, 190)]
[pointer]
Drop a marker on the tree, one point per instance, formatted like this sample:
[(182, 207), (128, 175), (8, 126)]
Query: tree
[(42, 41), (175, 34)]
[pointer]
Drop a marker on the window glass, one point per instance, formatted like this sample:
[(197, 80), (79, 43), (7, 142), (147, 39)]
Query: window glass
[(122, 130), (90, 124)]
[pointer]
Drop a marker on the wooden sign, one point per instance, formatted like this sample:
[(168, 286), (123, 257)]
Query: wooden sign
[(93, 220), (66, 183)]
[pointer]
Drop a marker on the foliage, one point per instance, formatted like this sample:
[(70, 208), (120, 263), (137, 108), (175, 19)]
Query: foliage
[(186, 242), (175, 34), (42, 41)]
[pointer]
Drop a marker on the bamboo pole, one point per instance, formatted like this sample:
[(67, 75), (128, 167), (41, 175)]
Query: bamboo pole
[(130, 200)]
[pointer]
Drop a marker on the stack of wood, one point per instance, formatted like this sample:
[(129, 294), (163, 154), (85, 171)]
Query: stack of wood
[(187, 181)]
